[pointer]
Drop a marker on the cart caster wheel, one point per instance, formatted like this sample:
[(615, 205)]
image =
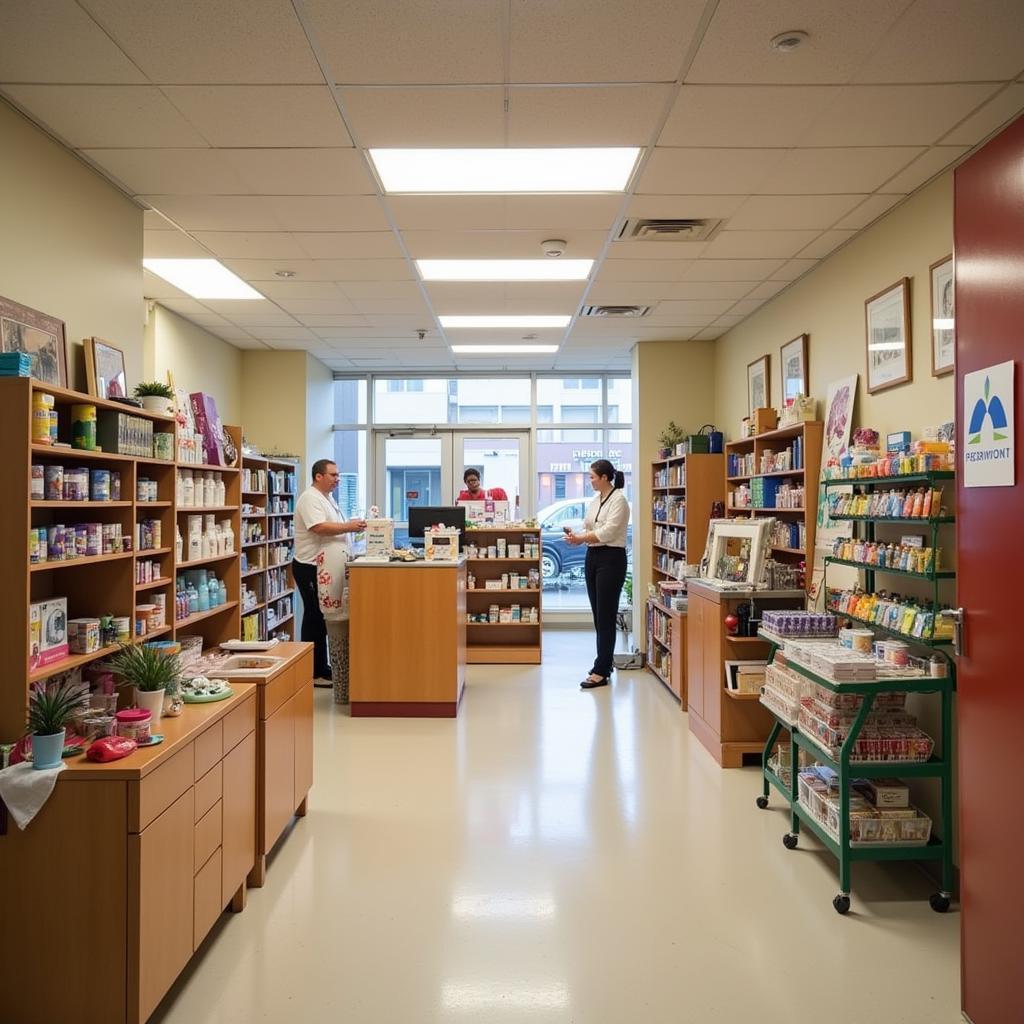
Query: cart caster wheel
[(841, 903), (939, 902), (762, 802), (789, 840)]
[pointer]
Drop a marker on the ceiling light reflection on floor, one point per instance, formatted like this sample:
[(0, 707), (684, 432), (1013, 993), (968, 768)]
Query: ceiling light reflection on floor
[(500, 995), (503, 906)]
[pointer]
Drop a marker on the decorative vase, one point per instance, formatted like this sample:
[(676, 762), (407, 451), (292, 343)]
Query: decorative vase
[(152, 701), (159, 404), (47, 750)]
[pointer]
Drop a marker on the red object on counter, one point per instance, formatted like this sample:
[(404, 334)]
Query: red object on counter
[(111, 748), (731, 624)]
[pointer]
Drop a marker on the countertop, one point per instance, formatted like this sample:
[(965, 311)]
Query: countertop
[(420, 563), (709, 590)]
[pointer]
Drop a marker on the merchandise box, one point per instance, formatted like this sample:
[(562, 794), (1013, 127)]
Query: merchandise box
[(48, 625), (380, 537), (765, 419), (486, 513), (441, 545)]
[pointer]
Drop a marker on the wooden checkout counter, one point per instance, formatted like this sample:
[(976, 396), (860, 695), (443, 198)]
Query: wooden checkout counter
[(407, 638), (128, 866)]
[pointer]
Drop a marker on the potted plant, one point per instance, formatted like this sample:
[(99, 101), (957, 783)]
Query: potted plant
[(627, 612), (671, 436), (49, 708), (156, 397), (152, 672)]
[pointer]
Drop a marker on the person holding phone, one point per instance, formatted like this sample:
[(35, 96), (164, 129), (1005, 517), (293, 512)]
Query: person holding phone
[(605, 527)]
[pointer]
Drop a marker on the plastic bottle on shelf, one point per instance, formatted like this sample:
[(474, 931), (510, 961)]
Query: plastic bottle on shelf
[(178, 544), (221, 495), (223, 588)]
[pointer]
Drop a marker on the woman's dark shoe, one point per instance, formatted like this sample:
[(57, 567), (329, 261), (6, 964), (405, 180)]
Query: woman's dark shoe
[(593, 681)]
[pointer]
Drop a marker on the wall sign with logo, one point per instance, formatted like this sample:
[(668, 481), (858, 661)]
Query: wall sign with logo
[(988, 419)]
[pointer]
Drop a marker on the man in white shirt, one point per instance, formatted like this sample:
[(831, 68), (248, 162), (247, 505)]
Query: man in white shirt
[(318, 521)]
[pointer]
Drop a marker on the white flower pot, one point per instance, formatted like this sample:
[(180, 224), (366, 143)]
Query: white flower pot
[(155, 403), (152, 701)]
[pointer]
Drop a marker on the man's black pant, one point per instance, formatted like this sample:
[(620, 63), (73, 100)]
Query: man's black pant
[(605, 574), (314, 629)]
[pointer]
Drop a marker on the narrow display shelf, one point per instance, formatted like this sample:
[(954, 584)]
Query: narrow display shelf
[(658, 606), (661, 643), (153, 584), (665, 547), (280, 594), (737, 479), (736, 695), (934, 766), (280, 622), (205, 466), (254, 608), (772, 511), (942, 574), (911, 520), (79, 453), (254, 543), (154, 633), (891, 632), (208, 508), (527, 561), (71, 505), (254, 515), (783, 472), (206, 561), (76, 397), (149, 461), (141, 506), (889, 481), (742, 442), (152, 552), (67, 664), (666, 522), (254, 572), (790, 551), (508, 590), (199, 616), (655, 672), (745, 639), (279, 515), (66, 563), (504, 625), (262, 494)]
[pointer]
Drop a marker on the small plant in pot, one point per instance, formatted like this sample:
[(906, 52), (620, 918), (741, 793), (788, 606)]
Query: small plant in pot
[(156, 397), (49, 708), (153, 673), (671, 436)]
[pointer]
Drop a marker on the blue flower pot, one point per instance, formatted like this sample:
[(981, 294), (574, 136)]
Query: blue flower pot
[(47, 750)]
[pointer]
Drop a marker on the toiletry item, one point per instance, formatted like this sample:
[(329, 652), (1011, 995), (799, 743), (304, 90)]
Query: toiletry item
[(178, 545), (221, 493), (83, 427), (41, 406), (115, 486), (54, 483), (99, 484), (223, 593), (37, 489), (134, 724)]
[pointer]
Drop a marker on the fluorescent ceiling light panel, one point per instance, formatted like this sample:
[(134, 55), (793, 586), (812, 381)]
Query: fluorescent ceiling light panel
[(606, 169), (491, 322), (202, 279), (500, 350), (504, 270)]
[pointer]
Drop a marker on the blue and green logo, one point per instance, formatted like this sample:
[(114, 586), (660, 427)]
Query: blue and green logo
[(987, 408)]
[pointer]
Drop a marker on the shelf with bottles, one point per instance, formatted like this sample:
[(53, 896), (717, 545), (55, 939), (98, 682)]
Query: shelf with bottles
[(278, 612), (279, 529), (921, 504), (254, 477), (278, 506), (279, 554), (253, 532), (909, 619), (196, 489), (281, 481), (277, 579), (910, 557)]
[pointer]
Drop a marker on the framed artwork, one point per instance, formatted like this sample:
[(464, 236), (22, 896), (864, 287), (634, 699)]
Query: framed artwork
[(943, 317), (887, 326), (794, 368), (758, 390), (104, 369), (736, 550), (39, 335)]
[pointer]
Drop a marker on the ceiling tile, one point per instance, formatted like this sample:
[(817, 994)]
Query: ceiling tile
[(760, 213), (292, 289), (731, 270), (499, 213), (324, 270), (758, 244), (254, 245), (731, 320), (743, 115), (708, 334), (171, 245), (223, 42), (471, 298), (613, 293), (184, 306), (624, 115), (767, 290), (172, 172), (745, 307), (87, 116), (643, 270), (839, 170), (894, 115), (826, 242), (948, 40), (342, 245), (276, 334), (871, 209), (1003, 108), (292, 172), (381, 289), (794, 269), (691, 307), (684, 207), (237, 335), (276, 318), (386, 336), (578, 41), (498, 244), (935, 160), (657, 250), (708, 171), (154, 287), (338, 305), (430, 117), (384, 306), (262, 115), (413, 42), (272, 213), (57, 41), (735, 48), (154, 221)]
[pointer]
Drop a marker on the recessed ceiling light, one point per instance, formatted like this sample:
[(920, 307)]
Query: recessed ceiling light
[(284, 273), (519, 322), (498, 350), (606, 169), (202, 279), (504, 270), (786, 42)]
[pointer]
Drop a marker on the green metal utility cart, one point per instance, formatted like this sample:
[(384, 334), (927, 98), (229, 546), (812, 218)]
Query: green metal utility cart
[(939, 767)]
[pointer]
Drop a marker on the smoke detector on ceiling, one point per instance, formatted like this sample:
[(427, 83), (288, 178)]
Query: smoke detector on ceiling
[(616, 311), (284, 273), (554, 247), (670, 229), (786, 42)]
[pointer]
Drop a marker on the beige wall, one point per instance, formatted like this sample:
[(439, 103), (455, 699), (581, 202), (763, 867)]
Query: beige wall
[(198, 360), (828, 305), (70, 244), (672, 380), (274, 401), (319, 411)]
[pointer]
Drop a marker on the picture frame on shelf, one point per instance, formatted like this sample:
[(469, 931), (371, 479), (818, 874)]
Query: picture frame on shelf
[(105, 375), (793, 362), (943, 316), (887, 339), (736, 552), (39, 335), (758, 384)]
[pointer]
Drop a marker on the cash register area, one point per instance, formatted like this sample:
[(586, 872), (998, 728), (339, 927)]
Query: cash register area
[(557, 855)]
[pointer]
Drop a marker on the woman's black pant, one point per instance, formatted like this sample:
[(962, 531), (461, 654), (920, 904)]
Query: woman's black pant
[(605, 574)]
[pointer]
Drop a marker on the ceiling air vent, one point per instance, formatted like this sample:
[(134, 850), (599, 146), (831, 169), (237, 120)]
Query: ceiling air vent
[(630, 311), (657, 229)]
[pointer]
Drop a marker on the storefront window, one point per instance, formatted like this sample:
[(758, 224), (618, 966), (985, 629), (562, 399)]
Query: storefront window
[(350, 455)]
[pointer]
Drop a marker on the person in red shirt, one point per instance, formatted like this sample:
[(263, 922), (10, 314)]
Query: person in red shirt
[(474, 492)]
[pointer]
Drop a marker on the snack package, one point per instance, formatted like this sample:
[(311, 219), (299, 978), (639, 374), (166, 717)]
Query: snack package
[(111, 748)]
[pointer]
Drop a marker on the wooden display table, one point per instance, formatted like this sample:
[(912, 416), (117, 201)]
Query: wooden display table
[(729, 724), (122, 874), (407, 638)]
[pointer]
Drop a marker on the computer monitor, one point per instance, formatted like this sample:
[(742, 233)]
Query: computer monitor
[(423, 516)]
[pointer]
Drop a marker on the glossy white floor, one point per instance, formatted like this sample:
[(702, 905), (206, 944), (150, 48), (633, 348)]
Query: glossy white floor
[(559, 856)]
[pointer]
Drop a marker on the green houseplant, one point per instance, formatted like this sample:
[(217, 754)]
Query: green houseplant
[(672, 435), (156, 397), (152, 672), (49, 708)]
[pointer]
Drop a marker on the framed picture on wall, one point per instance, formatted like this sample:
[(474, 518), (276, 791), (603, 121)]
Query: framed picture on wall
[(943, 317), (887, 326), (104, 369), (794, 368), (758, 385), (39, 335)]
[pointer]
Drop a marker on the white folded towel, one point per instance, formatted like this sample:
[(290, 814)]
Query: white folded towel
[(24, 790)]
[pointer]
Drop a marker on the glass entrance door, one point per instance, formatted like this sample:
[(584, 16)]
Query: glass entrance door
[(413, 469), (501, 462)]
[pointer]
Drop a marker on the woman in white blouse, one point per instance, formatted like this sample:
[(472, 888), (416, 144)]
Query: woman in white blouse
[(604, 534)]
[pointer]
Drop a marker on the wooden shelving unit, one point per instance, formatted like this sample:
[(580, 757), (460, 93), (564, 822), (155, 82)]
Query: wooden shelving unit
[(666, 647), (499, 643), (806, 473)]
